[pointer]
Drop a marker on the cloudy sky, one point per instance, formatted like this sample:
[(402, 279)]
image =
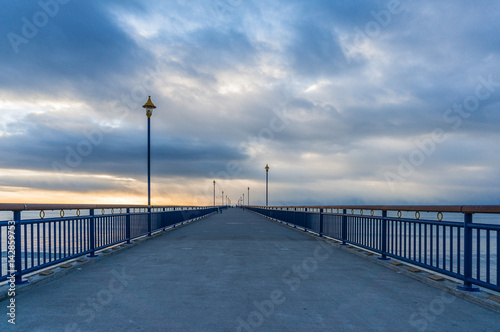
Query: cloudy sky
[(356, 102)]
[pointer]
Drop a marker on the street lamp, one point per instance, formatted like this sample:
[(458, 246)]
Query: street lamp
[(267, 181), (248, 197), (223, 197), (149, 106), (214, 193), (243, 201)]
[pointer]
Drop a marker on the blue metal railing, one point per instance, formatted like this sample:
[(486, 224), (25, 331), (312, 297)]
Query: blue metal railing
[(42, 242), (462, 249)]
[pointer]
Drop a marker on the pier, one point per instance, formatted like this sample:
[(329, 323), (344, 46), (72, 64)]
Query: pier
[(239, 271)]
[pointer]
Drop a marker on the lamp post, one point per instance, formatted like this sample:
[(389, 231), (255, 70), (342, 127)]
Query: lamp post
[(248, 196), (222, 197), (214, 193), (243, 200), (267, 182), (149, 106)]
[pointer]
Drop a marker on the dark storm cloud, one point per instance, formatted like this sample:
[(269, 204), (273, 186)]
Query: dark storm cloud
[(56, 47), (40, 144)]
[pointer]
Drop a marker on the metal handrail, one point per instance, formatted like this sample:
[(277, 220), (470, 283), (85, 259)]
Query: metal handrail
[(37, 206), (41, 242), (420, 208), (460, 249)]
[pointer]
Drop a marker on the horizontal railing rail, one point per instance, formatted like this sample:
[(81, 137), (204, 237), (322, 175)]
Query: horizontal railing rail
[(32, 206), (415, 208), (457, 247), (50, 234)]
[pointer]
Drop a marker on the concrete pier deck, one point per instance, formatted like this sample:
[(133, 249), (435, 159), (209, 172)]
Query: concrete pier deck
[(237, 271)]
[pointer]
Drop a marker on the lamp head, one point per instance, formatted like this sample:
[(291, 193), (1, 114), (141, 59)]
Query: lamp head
[(149, 106), (267, 168)]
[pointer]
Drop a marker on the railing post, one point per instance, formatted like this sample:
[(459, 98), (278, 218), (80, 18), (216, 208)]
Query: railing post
[(17, 249), (467, 286), (384, 237), (305, 220), (320, 223), (127, 222), (149, 221), (92, 234), (344, 226), (163, 219)]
